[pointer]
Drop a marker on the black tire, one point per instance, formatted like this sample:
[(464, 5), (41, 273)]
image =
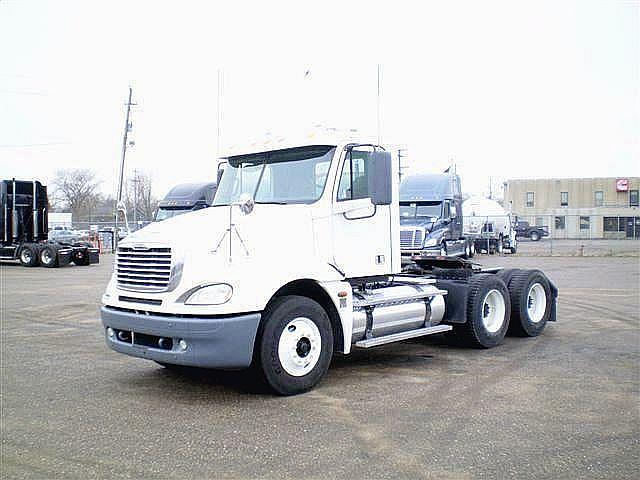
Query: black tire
[(500, 246), (28, 256), (279, 316), (520, 288), (474, 332), (535, 236), (514, 250), (80, 257), (443, 249), (505, 275), (49, 256), (472, 249)]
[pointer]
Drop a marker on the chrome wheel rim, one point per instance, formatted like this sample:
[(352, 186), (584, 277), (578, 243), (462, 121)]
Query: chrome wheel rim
[(443, 251), (536, 302), (299, 346), (493, 310), (25, 256), (46, 257)]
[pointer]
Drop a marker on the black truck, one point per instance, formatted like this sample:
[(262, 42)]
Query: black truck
[(24, 229), (533, 232), (184, 198), (431, 217)]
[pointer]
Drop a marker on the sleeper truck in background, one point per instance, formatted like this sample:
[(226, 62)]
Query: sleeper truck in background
[(24, 229), (431, 221), (299, 257), (186, 197)]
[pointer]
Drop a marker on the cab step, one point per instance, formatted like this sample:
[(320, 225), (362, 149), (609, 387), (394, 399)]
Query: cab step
[(396, 337)]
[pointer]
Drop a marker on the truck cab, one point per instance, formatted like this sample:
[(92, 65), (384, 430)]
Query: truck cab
[(431, 217), (186, 197), (297, 258)]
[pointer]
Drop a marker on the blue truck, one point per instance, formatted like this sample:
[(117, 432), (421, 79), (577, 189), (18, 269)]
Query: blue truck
[(431, 218)]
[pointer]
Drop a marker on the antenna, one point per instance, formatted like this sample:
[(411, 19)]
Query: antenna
[(219, 113), (378, 101)]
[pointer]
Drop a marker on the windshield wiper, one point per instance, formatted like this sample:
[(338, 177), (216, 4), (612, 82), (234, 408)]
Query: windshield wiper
[(272, 203)]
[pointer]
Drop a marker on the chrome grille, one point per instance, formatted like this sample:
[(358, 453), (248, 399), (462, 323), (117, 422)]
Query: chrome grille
[(145, 269), (411, 239)]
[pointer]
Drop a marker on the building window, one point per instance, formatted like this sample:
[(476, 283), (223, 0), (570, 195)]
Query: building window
[(610, 224), (560, 223), (633, 198), (599, 198), (585, 223), (564, 199), (530, 199)]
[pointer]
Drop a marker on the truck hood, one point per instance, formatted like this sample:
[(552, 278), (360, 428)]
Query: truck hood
[(259, 243), (414, 222)]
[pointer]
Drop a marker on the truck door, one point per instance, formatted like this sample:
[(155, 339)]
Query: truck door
[(362, 231)]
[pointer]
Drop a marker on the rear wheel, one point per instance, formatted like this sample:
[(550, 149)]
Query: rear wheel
[(535, 236), (295, 345), (532, 302), (48, 256), (29, 256), (488, 312)]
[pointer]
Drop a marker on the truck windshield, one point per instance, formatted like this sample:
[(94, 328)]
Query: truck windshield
[(165, 213), (294, 175), (421, 210)]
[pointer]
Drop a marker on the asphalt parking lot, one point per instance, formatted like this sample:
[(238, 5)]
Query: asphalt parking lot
[(564, 405)]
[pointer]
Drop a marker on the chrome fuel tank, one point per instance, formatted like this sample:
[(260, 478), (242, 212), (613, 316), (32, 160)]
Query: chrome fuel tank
[(396, 308)]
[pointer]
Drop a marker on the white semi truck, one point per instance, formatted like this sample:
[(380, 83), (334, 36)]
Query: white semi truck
[(298, 258)]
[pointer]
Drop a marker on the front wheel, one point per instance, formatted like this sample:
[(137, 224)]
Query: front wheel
[(295, 344), (535, 236)]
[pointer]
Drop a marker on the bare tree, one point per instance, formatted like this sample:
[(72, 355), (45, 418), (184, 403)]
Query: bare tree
[(78, 189), (138, 194)]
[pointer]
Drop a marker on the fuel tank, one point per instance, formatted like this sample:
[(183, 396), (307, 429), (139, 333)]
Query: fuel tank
[(396, 308)]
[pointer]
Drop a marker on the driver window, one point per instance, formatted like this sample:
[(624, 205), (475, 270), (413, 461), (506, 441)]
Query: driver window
[(354, 180), (446, 213)]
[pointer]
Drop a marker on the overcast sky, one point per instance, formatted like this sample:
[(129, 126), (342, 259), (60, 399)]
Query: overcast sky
[(505, 89)]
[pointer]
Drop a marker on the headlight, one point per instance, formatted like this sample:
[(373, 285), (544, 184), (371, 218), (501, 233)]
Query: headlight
[(216, 294), (431, 242)]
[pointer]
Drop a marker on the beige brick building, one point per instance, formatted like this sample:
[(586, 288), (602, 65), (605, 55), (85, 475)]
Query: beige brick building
[(606, 207)]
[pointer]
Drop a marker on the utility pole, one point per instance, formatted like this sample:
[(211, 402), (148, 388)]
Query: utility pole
[(127, 128)]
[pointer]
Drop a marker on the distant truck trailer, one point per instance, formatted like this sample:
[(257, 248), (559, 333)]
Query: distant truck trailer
[(24, 231)]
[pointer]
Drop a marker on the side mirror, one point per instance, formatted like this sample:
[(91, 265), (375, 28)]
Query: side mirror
[(380, 178), (246, 203)]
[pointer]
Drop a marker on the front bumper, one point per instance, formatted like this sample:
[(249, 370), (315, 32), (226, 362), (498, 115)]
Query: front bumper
[(427, 252), (219, 342)]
